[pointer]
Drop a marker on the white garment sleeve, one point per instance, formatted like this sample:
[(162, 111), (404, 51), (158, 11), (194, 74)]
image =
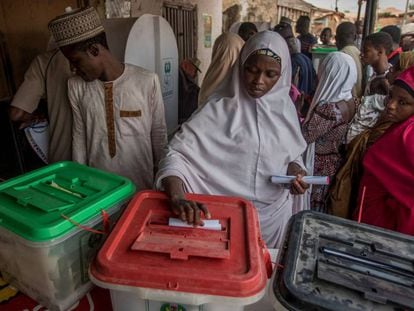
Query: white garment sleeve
[(78, 128), (32, 89), (299, 161), (158, 126)]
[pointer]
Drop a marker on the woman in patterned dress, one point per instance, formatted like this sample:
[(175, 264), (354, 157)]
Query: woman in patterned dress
[(326, 123)]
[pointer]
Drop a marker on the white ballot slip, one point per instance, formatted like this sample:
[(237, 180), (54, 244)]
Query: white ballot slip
[(209, 224), (312, 180)]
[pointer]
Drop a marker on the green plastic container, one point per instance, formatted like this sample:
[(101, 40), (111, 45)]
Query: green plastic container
[(319, 53), (50, 221)]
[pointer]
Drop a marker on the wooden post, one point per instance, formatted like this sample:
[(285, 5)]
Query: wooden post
[(405, 13), (359, 10)]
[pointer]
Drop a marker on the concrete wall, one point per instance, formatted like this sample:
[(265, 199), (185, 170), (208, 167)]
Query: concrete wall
[(213, 8), (253, 11)]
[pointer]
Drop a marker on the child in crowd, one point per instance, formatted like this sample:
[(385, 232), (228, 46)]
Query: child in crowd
[(326, 36), (375, 49), (395, 33)]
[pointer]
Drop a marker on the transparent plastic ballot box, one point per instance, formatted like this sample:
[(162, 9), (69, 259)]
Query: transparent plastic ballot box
[(52, 222)]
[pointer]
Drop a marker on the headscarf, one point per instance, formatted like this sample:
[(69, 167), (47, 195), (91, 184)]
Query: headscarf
[(406, 60), (337, 76), (236, 142), (406, 80), (226, 49), (390, 162)]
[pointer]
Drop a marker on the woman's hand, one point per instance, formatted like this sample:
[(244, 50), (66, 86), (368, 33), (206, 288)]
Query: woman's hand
[(187, 210), (297, 186)]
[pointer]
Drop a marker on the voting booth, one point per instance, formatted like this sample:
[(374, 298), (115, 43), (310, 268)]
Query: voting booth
[(151, 44)]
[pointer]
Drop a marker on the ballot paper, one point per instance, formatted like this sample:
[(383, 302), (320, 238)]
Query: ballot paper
[(312, 180), (209, 224)]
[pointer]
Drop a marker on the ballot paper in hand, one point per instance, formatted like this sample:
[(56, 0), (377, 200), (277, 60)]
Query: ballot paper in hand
[(312, 180), (209, 224)]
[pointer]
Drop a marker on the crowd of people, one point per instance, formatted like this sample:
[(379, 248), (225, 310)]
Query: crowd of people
[(262, 111)]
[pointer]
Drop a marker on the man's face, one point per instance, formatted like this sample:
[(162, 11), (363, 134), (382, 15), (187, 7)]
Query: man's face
[(400, 106), (247, 34), (87, 64), (369, 54), (260, 74)]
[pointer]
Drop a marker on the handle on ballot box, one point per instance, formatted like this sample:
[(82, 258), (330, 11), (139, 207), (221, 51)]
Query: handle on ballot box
[(266, 257)]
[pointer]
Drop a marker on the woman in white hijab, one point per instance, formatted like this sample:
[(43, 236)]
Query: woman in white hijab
[(226, 50), (246, 132), (326, 123)]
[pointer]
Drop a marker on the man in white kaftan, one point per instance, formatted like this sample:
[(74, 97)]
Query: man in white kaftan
[(130, 140), (118, 112)]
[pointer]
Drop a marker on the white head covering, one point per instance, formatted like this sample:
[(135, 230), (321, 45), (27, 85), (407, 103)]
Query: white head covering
[(407, 29), (232, 85), (337, 76), (235, 142)]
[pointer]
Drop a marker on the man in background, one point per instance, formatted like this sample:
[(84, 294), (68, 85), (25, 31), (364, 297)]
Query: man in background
[(307, 40), (188, 89), (359, 26), (46, 78), (286, 22), (247, 30), (345, 42), (407, 37), (395, 33)]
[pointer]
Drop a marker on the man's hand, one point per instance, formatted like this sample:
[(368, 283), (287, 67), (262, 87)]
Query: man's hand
[(24, 118)]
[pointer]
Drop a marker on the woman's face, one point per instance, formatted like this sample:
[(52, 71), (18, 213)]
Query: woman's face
[(260, 74), (400, 106)]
